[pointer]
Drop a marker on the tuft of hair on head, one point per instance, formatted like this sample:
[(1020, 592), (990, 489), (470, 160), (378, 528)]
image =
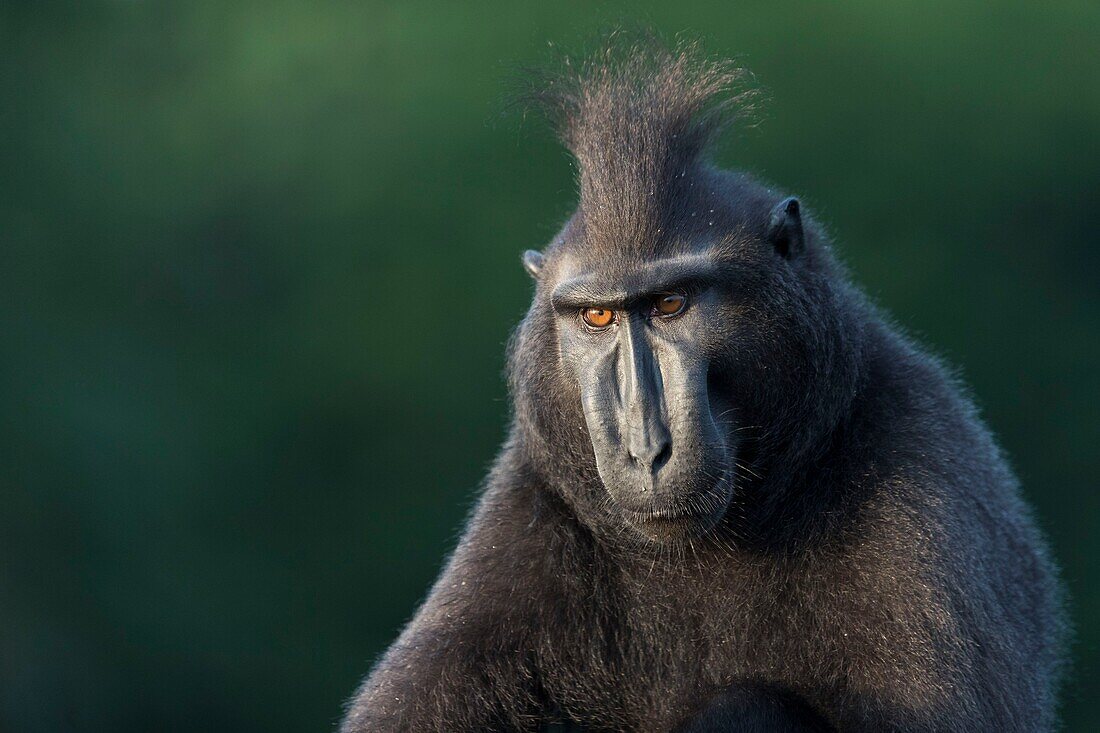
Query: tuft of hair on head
[(638, 115)]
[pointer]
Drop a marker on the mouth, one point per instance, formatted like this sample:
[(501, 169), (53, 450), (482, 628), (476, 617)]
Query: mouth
[(668, 528), (672, 522)]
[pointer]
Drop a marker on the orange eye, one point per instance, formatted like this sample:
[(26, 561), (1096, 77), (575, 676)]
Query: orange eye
[(670, 304), (598, 317)]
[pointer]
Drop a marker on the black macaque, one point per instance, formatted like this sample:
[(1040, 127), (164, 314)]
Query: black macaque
[(733, 497)]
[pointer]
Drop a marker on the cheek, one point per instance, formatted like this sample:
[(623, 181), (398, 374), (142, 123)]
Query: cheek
[(579, 388), (574, 370), (727, 339), (572, 344), (745, 363)]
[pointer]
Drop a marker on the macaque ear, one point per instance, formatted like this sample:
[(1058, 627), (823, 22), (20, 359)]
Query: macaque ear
[(533, 262), (785, 228)]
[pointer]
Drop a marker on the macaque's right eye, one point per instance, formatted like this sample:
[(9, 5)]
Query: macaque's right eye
[(598, 318)]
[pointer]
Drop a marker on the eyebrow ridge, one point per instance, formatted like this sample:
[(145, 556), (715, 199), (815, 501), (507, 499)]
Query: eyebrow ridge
[(585, 290)]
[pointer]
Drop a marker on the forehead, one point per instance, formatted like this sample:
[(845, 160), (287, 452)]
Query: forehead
[(710, 231), (584, 282)]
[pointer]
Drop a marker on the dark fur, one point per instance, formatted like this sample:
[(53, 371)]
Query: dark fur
[(876, 568)]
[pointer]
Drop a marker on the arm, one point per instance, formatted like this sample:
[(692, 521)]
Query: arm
[(462, 663)]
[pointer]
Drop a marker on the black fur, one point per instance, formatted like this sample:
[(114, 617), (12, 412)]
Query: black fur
[(875, 568)]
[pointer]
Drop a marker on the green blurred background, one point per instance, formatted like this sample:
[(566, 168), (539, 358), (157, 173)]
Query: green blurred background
[(260, 261)]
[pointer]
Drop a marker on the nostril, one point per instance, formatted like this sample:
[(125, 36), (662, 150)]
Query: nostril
[(651, 459), (662, 457)]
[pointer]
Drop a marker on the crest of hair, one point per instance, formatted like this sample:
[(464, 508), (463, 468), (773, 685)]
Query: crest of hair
[(639, 115)]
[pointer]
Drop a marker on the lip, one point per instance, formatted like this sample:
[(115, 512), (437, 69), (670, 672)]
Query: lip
[(673, 519), (659, 515), (665, 525)]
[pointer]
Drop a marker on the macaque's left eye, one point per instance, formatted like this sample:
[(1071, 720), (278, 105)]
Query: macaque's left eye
[(669, 304)]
